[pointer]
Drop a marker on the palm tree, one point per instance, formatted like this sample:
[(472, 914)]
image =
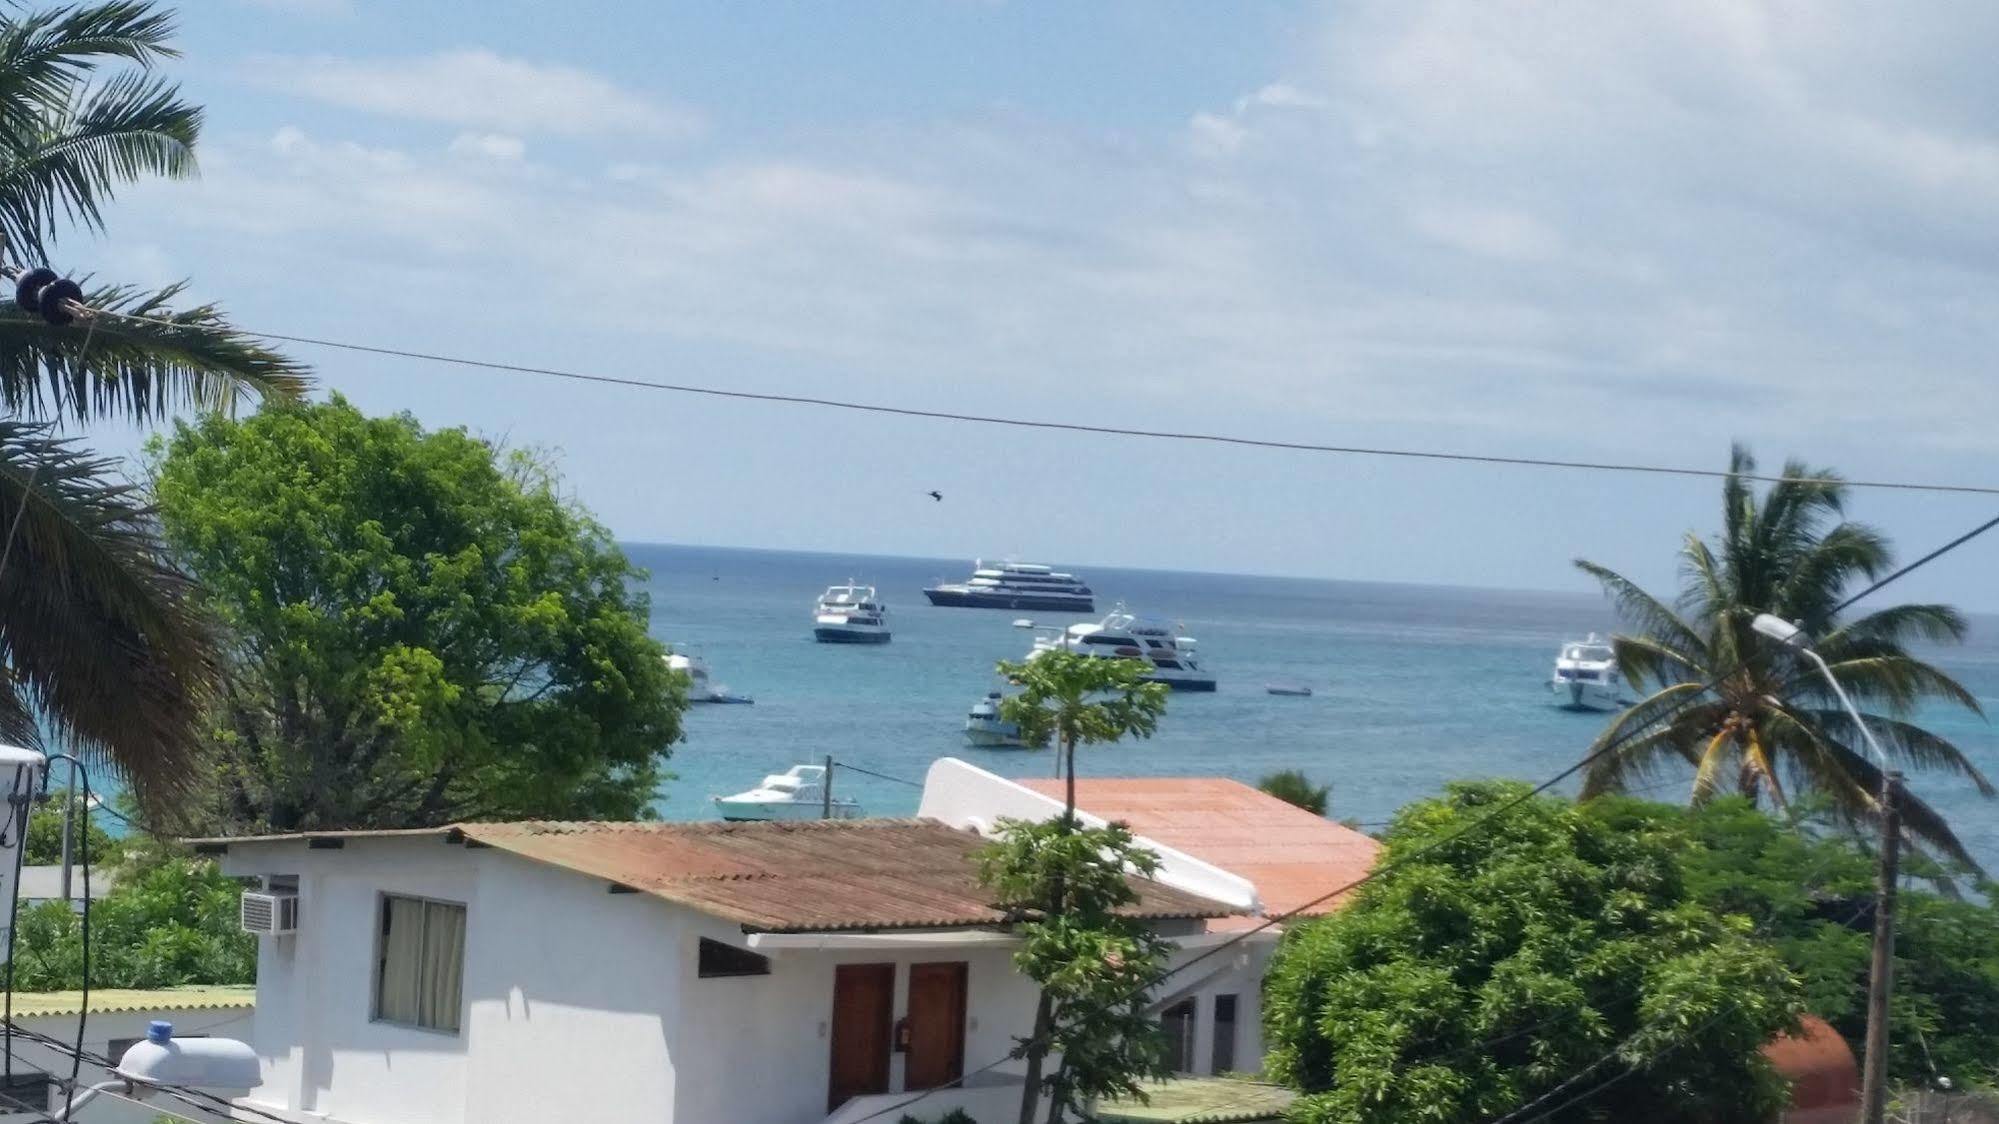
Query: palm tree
[(1770, 719), (100, 641), (1293, 787)]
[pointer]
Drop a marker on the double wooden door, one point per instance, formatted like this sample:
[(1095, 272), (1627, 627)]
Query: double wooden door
[(865, 1033)]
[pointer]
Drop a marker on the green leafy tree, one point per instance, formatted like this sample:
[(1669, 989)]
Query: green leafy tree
[(102, 644), (1293, 787), (1096, 968), (1771, 717), (1479, 974), (44, 843), (171, 921), (1808, 888), (1074, 699), (425, 630)]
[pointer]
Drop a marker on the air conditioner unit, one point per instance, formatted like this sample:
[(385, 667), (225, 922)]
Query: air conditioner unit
[(269, 915)]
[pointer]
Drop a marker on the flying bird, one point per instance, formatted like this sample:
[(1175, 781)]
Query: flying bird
[(938, 496)]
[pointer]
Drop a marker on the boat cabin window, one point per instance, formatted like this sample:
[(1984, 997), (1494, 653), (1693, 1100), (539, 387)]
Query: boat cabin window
[(716, 960), (1109, 641), (1170, 665)]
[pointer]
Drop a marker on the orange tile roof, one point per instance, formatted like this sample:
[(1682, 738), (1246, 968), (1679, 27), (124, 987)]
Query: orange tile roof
[(1291, 855), (808, 876)]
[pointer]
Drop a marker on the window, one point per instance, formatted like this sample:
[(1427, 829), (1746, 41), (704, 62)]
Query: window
[(420, 963), (1178, 1023), (717, 959), (1224, 1053)]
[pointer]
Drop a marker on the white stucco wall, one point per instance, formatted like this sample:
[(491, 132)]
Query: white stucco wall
[(100, 1030)]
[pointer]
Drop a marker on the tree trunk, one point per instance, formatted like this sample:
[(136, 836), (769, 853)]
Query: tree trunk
[(1037, 1049), (1060, 1095), (1069, 802)]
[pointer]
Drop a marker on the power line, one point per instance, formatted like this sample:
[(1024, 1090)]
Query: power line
[(1044, 424)]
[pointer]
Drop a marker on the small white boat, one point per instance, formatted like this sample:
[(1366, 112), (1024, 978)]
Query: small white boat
[(795, 794), (850, 614), (1586, 676), (699, 688), (986, 729), (1166, 650), (1289, 690)]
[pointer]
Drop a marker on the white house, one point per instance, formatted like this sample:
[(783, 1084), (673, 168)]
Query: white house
[(760, 973)]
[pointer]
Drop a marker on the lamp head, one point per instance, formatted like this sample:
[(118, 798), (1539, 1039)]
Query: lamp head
[(203, 1063), (1780, 630)]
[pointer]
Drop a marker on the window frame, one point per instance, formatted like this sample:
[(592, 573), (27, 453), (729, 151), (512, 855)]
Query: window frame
[(375, 1016), (1221, 1042)]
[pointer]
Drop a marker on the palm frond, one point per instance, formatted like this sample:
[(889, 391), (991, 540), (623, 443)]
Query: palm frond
[(1641, 610), (1646, 660), (131, 126), (99, 630), (1815, 577), (1631, 746), (1911, 742), (1898, 681), (1707, 773), (1898, 624), (139, 370)]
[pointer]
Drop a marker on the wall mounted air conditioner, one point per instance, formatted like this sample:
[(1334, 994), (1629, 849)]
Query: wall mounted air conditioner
[(269, 915)]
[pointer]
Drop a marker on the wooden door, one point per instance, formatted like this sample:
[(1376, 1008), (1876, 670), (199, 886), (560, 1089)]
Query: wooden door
[(936, 1025), (863, 1014)]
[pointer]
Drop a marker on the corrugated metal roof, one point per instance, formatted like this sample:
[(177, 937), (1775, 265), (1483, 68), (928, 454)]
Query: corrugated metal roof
[(105, 1001), (805, 877), (1201, 1100), (1293, 856)]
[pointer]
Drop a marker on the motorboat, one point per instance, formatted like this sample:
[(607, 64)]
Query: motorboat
[(798, 793), (1162, 645), (850, 614), (700, 689), (1015, 585), (1289, 690), (986, 729), (1586, 676)]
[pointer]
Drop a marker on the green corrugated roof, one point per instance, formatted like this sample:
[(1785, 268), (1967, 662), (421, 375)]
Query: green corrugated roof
[(1202, 1100), (109, 1000)]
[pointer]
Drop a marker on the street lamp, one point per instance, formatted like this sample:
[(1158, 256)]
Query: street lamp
[(1880, 979)]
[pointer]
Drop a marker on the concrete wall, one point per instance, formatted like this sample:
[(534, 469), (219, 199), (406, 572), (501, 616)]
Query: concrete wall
[(100, 1030)]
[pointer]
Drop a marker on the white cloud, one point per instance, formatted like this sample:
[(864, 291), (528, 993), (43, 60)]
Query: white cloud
[(491, 146), (476, 89)]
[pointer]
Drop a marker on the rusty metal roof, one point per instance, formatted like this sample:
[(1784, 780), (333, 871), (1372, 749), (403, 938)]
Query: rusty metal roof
[(1295, 858), (808, 876)]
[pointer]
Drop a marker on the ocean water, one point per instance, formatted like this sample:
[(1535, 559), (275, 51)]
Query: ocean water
[(1413, 685)]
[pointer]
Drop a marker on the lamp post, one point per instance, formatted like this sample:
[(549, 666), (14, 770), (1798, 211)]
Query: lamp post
[(1881, 974)]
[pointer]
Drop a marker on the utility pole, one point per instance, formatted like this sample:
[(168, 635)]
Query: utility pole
[(826, 791), (1881, 975), (68, 819)]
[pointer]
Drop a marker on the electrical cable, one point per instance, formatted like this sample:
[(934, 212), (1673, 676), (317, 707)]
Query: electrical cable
[(877, 776), (84, 311), (1515, 802), (77, 770)]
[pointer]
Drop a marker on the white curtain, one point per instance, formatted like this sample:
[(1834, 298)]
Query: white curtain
[(422, 973), (443, 974), (402, 960)]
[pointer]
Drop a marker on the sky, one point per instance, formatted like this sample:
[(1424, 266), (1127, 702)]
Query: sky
[(1573, 230)]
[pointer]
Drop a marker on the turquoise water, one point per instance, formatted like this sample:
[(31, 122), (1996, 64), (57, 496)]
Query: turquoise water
[(1414, 685)]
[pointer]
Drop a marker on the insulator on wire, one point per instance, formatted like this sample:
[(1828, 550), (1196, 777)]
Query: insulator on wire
[(54, 301), (28, 290)]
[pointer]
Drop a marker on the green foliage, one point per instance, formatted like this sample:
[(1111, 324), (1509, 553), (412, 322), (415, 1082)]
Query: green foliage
[(425, 629), (1472, 978), (171, 922), (1770, 714), (1096, 968), (1075, 699), (1810, 890), (1293, 787), (45, 836)]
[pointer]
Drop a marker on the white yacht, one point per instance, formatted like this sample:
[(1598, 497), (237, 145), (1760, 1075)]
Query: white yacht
[(1167, 650), (986, 729), (795, 794), (850, 614), (1586, 676), (1015, 585), (699, 688)]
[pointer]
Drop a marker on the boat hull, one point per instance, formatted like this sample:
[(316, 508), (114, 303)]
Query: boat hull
[(1573, 695), (747, 812), (965, 599), (837, 635), (1192, 685), (987, 738)]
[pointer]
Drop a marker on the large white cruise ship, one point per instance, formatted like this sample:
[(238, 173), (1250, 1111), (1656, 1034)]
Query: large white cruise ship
[(1161, 645), (1015, 585)]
